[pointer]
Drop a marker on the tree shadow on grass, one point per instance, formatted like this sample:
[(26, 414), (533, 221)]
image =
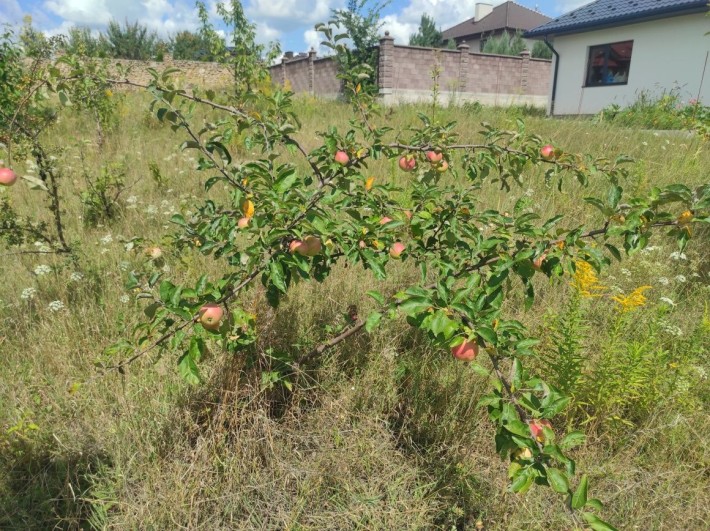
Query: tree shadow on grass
[(40, 489)]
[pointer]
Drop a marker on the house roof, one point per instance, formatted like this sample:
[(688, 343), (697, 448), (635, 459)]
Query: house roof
[(615, 13), (508, 15)]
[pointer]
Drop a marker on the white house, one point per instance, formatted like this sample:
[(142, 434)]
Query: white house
[(610, 51)]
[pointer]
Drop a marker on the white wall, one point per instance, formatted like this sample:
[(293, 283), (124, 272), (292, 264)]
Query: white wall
[(667, 53)]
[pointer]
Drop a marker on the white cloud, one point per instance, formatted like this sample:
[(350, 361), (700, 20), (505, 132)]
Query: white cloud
[(570, 5), (10, 12)]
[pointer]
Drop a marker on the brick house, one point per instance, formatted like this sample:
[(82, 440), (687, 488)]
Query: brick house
[(492, 21)]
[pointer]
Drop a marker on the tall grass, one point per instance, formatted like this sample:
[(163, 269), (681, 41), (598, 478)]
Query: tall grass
[(383, 432)]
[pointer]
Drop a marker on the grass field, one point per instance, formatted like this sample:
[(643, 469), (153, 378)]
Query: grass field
[(383, 432)]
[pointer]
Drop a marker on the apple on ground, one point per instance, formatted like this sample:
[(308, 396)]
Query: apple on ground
[(466, 351), (547, 151), (342, 158), (407, 163), (7, 177), (397, 249), (210, 315), (536, 428), (434, 156), (154, 252)]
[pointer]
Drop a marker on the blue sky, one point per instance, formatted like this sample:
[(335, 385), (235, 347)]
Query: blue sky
[(288, 21)]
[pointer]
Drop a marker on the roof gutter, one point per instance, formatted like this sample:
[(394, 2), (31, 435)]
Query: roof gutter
[(554, 75)]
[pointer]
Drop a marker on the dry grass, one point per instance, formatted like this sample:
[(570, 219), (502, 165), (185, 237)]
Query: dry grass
[(382, 433)]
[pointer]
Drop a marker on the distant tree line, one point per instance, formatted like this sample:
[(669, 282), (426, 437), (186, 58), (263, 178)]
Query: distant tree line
[(130, 40)]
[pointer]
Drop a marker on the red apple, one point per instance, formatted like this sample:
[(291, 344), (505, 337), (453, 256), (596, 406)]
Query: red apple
[(547, 152), (210, 315), (385, 220), (397, 249), (342, 158), (536, 428), (407, 163), (7, 177), (294, 246), (538, 261), (466, 351), (434, 156), (243, 223), (311, 246)]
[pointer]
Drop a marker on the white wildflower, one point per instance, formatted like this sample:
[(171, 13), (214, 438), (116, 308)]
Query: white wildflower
[(663, 281), (644, 143), (681, 279), (151, 210), (625, 272), (123, 266), (106, 239), (42, 270), (28, 293), (55, 306), (76, 276), (124, 299), (668, 301), (166, 268), (678, 256), (132, 200)]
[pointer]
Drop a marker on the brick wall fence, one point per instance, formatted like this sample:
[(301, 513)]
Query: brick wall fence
[(405, 75)]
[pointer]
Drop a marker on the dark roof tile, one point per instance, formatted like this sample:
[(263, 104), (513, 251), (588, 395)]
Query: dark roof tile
[(507, 15), (614, 13)]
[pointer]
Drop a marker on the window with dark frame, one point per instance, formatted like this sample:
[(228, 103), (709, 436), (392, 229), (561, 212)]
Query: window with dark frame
[(608, 64)]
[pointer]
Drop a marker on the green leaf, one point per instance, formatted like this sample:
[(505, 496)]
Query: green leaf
[(572, 439), (487, 333), (372, 321), (276, 274), (579, 499), (166, 290), (595, 503), (558, 480), (377, 296), (518, 427), (414, 305), (285, 182), (596, 523)]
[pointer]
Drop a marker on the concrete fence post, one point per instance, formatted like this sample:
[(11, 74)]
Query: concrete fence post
[(385, 67), (463, 49), (524, 71), (311, 72)]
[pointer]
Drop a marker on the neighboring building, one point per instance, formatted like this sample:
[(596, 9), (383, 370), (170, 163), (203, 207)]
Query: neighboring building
[(491, 22), (610, 51)]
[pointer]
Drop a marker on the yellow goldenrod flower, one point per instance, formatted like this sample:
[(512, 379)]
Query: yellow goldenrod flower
[(586, 281), (633, 300), (368, 183)]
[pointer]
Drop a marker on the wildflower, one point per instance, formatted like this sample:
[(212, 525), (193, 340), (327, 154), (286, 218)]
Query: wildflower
[(55, 306), (132, 200), (663, 281), (124, 299), (123, 266), (668, 301), (28, 293), (625, 272), (681, 279), (42, 270), (633, 300), (676, 255), (106, 239), (586, 281), (151, 210), (76, 276)]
